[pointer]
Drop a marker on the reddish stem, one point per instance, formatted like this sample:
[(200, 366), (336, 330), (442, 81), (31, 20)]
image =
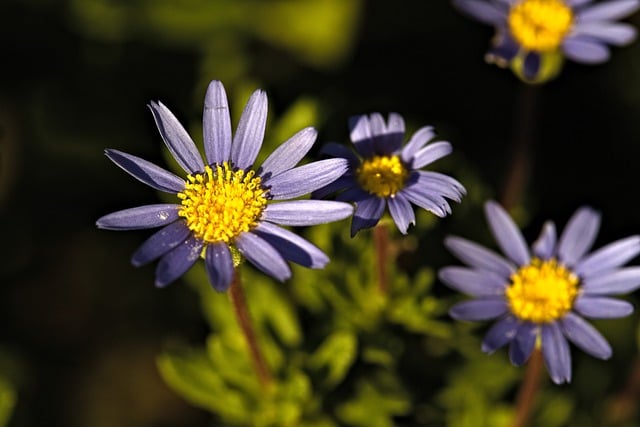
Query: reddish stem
[(381, 243), (242, 314), (528, 389)]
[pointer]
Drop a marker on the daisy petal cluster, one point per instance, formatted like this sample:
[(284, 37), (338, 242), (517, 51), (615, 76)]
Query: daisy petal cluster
[(226, 209), (540, 296), (533, 36), (384, 173)]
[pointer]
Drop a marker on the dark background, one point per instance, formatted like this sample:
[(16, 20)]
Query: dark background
[(80, 327)]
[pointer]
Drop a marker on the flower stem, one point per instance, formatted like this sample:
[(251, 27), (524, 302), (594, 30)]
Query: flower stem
[(521, 153), (381, 243), (528, 389), (623, 407), (242, 314)]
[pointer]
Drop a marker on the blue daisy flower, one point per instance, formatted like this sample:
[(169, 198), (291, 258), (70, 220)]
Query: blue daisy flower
[(226, 207), (533, 36), (541, 296), (386, 173)]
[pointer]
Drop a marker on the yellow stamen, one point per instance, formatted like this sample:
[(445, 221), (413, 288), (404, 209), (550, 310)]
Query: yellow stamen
[(383, 176), (220, 204), (540, 25), (542, 291)]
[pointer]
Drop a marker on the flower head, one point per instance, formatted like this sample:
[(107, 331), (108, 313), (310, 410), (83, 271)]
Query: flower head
[(533, 36), (541, 296), (226, 207), (386, 173)]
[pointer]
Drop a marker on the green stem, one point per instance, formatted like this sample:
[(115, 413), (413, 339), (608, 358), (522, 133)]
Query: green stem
[(381, 243), (242, 314), (529, 388)]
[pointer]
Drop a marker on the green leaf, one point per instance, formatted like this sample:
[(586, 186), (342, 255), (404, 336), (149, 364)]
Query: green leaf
[(377, 400), (191, 374), (335, 356)]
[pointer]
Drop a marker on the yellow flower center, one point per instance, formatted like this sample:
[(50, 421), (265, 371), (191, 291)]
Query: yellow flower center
[(382, 175), (540, 25), (542, 291), (220, 204)]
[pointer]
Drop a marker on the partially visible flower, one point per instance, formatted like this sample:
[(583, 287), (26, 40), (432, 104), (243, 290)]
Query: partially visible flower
[(540, 297), (225, 206), (533, 36), (386, 173)]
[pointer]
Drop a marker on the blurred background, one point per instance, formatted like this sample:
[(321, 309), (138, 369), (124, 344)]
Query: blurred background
[(81, 328)]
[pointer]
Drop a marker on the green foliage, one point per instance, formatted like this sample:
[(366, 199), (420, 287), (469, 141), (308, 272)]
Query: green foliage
[(319, 32), (473, 396), (7, 401)]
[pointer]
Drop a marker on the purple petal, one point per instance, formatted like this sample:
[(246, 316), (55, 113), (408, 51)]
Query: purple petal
[(160, 243), (506, 233), (334, 149), (177, 139), (555, 349), (431, 153), (531, 65), (602, 307), (611, 33), (148, 216), (306, 212), (339, 184), (483, 11), (177, 261), (361, 135), (585, 50), (500, 334), (427, 199), (609, 257), (264, 256), (216, 124), (386, 139), (577, 3), (288, 154), (219, 264), (417, 141), (354, 194), (480, 309), (401, 212), (608, 11), (394, 133), (146, 172), (578, 235), (367, 214), (545, 246), (439, 183), (585, 336), (476, 283), (250, 133), (621, 281), (523, 344), (305, 179), (291, 246), (504, 49), (479, 257)]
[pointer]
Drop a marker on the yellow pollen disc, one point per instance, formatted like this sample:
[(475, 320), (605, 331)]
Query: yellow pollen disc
[(383, 176), (542, 291), (221, 203), (540, 25)]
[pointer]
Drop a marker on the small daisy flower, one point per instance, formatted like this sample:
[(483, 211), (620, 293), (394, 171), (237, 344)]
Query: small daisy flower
[(226, 207), (541, 296), (384, 173), (533, 36)]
